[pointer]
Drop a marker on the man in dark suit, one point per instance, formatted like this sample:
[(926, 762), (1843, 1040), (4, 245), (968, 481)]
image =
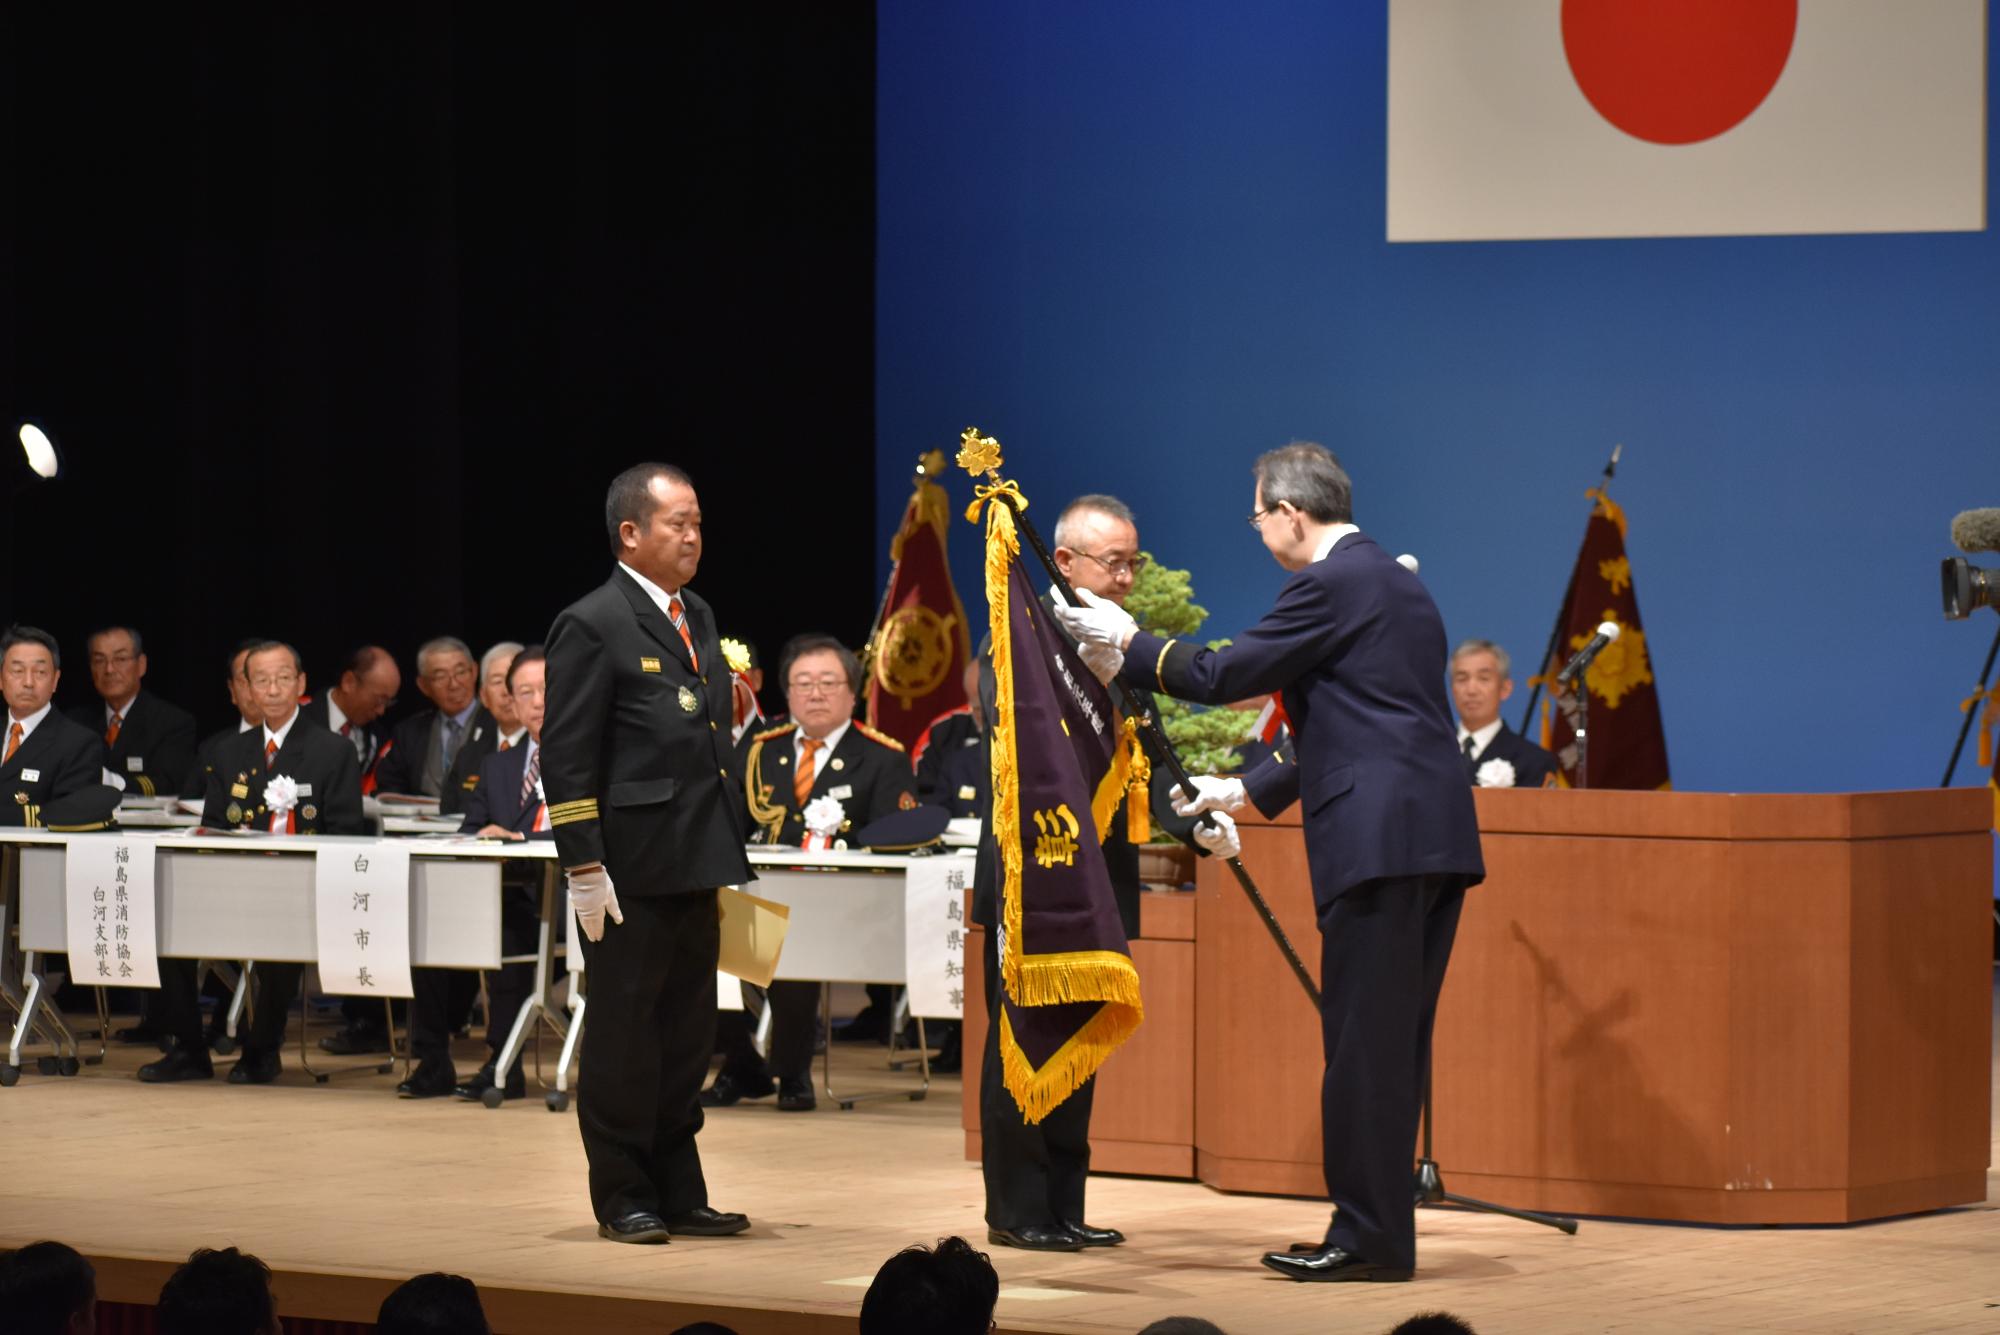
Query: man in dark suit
[(43, 755), (369, 681), (1035, 1173), (505, 734), (506, 803), (1357, 648), (1480, 681), (638, 774), (823, 755), (208, 751), (149, 743), (423, 746), (243, 794)]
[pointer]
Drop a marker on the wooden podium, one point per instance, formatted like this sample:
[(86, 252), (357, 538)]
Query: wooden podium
[(1692, 1006)]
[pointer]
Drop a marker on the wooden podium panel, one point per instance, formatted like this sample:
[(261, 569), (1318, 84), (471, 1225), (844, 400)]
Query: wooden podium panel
[(1712, 1007), (1142, 1115)]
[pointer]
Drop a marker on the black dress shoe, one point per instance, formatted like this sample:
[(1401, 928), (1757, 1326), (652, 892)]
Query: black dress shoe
[(256, 1067), (951, 1054), (1036, 1238), (431, 1080), (796, 1095), (1093, 1237), (482, 1080), (177, 1065), (639, 1226), (1332, 1265), (356, 1040), (727, 1090), (702, 1222), (870, 1026)]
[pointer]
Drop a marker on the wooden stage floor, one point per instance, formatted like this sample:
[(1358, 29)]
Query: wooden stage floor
[(346, 1190)]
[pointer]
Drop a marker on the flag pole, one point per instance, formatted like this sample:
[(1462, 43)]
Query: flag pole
[(1972, 711), (977, 465), (1562, 612)]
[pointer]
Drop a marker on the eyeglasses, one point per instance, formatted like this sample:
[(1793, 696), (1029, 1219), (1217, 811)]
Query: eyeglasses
[(265, 681), (1257, 516), (463, 672), (122, 659), (1122, 566), (821, 685)]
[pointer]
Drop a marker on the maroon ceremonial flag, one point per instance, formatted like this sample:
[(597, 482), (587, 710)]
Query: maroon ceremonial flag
[(1628, 744), (917, 655)]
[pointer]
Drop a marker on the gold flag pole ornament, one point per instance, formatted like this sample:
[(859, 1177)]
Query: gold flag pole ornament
[(1005, 521)]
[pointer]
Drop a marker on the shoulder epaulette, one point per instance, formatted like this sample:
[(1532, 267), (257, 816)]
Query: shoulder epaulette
[(769, 733), (877, 735)]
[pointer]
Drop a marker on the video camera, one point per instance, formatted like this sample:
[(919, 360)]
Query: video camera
[(1968, 587)]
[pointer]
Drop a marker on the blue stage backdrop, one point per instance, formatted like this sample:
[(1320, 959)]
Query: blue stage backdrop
[(1142, 242)]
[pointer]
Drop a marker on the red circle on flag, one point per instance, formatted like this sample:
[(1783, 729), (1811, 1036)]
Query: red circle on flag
[(1677, 71)]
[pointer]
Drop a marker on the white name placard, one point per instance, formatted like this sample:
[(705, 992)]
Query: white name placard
[(113, 941), (934, 935), (361, 911)]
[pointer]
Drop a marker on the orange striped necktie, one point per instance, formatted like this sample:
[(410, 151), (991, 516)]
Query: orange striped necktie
[(802, 782), (111, 730), (680, 624), (270, 753), (13, 743)]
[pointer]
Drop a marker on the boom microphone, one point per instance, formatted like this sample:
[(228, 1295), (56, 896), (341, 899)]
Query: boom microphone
[(1607, 631), (1977, 531)]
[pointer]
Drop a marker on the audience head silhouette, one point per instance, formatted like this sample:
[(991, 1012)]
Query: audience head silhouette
[(949, 1290)]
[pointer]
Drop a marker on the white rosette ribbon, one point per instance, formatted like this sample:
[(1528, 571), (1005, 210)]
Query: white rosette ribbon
[(823, 816), (281, 794), (1496, 773)]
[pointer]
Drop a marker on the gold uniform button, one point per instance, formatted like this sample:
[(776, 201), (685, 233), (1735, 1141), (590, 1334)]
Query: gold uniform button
[(711, 725), (723, 772)]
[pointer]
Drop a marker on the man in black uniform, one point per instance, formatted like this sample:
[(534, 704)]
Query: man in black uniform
[(506, 803), (636, 766), (949, 759), (424, 746), (43, 755), (1480, 681), (326, 799), (1035, 1173), (824, 753), (208, 752), (149, 743)]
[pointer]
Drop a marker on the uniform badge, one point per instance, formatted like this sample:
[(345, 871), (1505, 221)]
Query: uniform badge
[(20, 799), (309, 812), (967, 793), (906, 801), (837, 763), (649, 665), (233, 813), (239, 790), (784, 760), (688, 702)]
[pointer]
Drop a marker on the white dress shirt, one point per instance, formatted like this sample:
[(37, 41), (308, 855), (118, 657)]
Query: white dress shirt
[(1331, 537), (28, 725), (1480, 739)]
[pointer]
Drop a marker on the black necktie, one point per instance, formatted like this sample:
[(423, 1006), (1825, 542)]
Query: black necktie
[(1471, 746)]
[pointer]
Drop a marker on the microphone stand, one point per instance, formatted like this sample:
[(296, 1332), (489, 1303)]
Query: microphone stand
[(1971, 713), (1430, 1181), (1562, 612)]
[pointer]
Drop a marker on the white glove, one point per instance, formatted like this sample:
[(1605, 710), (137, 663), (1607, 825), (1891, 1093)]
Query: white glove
[(1098, 621), (1210, 794), (592, 896), (1102, 660), (1220, 837)]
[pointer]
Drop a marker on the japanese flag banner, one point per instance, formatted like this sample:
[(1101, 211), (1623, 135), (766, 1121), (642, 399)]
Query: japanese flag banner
[(1544, 119)]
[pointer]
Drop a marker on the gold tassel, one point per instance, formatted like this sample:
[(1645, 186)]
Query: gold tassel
[(1988, 703), (1139, 792)]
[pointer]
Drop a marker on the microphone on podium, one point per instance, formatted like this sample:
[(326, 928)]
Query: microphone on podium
[(1607, 631)]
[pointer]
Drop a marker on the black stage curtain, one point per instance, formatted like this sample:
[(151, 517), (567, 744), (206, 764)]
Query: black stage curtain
[(345, 316)]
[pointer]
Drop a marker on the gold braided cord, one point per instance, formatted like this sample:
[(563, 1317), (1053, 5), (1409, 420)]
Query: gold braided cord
[(757, 795), (981, 495)]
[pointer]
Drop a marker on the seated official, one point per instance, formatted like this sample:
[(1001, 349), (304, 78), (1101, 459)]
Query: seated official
[(823, 755), (43, 755), (504, 733), (248, 716), (149, 743), (289, 776), (423, 746), (369, 682), (506, 803), (1480, 682), (950, 763)]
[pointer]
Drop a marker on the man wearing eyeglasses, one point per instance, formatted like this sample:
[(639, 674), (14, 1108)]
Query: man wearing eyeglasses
[(1357, 648), (369, 681), (424, 747), (823, 754), (325, 799), (149, 743)]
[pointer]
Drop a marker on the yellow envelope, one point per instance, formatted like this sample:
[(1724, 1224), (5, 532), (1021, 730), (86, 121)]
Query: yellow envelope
[(753, 934)]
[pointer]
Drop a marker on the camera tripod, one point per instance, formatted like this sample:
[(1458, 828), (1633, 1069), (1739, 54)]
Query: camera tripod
[(1430, 1183)]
